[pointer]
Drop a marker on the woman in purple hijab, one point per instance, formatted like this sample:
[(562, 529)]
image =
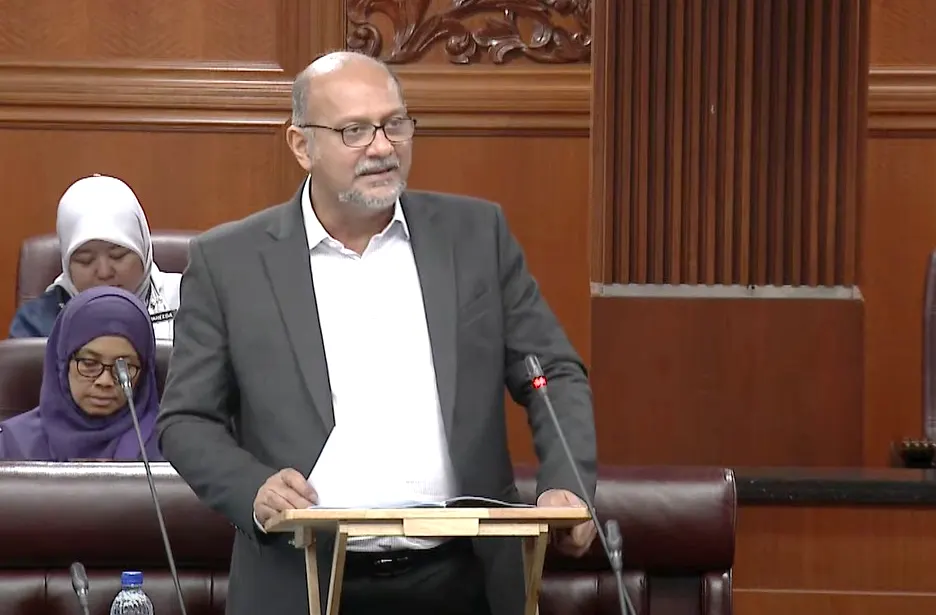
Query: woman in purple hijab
[(82, 413)]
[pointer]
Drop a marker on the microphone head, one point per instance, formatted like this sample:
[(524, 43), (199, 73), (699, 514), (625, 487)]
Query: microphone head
[(613, 531), (123, 374), (535, 372), (79, 577), (533, 367)]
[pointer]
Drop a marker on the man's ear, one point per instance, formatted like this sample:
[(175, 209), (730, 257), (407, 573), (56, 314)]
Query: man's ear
[(300, 143)]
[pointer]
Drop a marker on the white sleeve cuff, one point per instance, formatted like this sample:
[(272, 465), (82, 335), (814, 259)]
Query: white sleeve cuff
[(258, 524)]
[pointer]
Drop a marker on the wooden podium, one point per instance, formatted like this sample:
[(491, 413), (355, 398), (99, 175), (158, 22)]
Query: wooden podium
[(532, 524)]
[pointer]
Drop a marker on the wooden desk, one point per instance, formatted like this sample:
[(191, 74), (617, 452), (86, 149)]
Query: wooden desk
[(840, 541)]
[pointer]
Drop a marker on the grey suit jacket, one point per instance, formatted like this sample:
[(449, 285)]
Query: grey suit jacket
[(247, 392)]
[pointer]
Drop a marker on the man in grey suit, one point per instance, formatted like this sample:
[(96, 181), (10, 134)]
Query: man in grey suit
[(381, 325)]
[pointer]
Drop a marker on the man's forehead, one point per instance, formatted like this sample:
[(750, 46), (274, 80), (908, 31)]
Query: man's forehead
[(357, 98)]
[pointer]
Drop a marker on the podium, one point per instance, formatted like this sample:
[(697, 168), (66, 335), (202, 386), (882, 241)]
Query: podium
[(532, 524)]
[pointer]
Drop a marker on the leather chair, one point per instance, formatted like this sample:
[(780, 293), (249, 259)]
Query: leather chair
[(21, 373), (101, 514), (678, 526), (40, 260)]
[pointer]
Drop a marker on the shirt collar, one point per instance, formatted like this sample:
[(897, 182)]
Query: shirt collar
[(316, 233)]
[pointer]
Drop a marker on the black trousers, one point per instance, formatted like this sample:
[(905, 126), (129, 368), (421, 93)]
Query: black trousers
[(450, 584)]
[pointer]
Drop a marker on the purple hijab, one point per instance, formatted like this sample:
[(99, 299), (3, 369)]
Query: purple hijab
[(58, 430)]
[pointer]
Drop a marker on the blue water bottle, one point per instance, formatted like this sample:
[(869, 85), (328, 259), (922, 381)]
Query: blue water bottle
[(131, 600)]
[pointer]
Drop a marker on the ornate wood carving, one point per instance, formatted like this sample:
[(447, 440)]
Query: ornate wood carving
[(501, 29)]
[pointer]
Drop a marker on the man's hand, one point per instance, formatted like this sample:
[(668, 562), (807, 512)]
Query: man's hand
[(284, 490), (573, 541)]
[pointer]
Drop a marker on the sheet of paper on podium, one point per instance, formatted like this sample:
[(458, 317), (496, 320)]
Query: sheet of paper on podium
[(342, 478)]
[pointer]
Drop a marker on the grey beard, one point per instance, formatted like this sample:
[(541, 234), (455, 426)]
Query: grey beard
[(372, 203)]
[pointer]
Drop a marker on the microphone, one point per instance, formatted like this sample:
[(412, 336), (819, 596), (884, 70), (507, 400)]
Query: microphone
[(123, 377), (611, 540), (79, 579)]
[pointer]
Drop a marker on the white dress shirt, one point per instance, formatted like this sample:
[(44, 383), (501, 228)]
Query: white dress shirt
[(379, 357)]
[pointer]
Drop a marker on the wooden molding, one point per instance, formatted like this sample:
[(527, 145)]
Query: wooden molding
[(252, 88), (901, 100), (447, 99), (499, 99)]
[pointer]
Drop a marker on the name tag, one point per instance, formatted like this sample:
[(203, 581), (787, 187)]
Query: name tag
[(163, 316)]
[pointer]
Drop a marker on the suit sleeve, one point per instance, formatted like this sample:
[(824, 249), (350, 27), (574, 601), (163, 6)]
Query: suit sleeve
[(199, 403), (531, 328)]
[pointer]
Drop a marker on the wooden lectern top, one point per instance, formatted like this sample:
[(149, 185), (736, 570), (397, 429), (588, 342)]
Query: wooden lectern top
[(329, 518)]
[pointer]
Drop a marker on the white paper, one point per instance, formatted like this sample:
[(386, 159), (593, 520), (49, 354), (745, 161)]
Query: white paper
[(344, 478)]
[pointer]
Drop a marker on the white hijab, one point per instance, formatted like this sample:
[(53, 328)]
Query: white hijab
[(106, 209)]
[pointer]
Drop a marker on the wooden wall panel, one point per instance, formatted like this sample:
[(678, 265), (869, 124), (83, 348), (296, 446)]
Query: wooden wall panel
[(836, 559), (728, 381), (191, 112), (741, 128), (900, 223), (102, 31), (726, 200)]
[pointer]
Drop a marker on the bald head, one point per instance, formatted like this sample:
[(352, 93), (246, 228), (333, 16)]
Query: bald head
[(351, 64)]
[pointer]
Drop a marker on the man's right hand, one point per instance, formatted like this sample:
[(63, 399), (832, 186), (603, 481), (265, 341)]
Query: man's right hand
[(284, 490)]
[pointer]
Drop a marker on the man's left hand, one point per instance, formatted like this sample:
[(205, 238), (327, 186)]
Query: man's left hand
[(573, 541)]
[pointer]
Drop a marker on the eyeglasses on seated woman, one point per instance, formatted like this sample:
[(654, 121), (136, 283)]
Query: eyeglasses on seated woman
[(82, 412), (104, 239)]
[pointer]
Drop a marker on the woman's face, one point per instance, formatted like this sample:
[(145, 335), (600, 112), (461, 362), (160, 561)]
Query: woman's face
[(102, 263), (92, 376)]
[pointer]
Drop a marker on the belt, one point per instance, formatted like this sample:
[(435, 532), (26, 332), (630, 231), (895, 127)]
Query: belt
[(395, 563)]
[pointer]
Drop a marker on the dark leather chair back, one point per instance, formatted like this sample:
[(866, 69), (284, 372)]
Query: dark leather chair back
[(101, 514), (40, 260), (678, 526), (21, 372)]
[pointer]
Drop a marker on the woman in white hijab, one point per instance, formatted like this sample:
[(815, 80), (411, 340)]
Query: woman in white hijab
[(105, 241)]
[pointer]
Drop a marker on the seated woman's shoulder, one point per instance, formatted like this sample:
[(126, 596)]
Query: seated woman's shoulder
[(36, 317), (19, 436)]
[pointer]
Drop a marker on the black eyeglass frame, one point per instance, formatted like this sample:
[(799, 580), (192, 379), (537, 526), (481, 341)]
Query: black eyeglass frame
[(411, 121), (132, 369)]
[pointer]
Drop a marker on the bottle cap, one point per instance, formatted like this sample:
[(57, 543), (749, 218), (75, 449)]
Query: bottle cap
[(131, 577)]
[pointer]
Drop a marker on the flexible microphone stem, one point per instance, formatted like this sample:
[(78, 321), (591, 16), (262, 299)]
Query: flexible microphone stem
[(123, 376), (614, 552), (79, 579)]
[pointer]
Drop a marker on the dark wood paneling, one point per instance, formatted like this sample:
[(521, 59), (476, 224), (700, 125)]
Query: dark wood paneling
[(728, 381), (737, 131), (784, 602), (900, 218), (180, 33), (837, 559)]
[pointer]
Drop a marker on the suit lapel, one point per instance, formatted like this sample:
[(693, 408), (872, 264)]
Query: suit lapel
[(287, 265), (432, 249)]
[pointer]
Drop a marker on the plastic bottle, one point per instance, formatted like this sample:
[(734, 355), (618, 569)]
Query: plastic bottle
[(131, 600)]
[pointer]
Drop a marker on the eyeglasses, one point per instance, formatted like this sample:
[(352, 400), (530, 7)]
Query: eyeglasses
[(396, 130), (92, 368)]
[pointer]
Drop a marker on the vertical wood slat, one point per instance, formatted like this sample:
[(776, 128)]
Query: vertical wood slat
[(738, 147)]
